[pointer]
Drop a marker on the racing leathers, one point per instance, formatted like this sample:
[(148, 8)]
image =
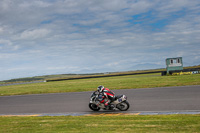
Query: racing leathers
[(108, 96)]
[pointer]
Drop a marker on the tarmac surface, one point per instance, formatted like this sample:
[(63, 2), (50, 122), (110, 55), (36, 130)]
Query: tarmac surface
[(146, 101)]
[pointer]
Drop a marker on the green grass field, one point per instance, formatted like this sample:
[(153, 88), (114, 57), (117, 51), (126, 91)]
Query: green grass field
[(94, 124), (122, 123), (116, 82)]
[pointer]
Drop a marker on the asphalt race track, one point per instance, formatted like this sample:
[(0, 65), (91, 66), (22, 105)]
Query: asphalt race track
[(164, 99)]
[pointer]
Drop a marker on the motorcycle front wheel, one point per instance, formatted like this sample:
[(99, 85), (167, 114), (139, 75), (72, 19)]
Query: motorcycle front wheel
[(93, 107), (123, 106)]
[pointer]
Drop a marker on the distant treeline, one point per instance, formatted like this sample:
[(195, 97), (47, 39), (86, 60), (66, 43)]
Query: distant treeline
[(44, 78), (23, 80), (60, 77)]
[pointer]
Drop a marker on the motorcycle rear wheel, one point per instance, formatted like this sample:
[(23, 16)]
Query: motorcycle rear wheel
[(123, 106), (93, 107)]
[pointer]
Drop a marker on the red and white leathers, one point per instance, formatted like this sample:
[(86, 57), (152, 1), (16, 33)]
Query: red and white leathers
[(108, 95)]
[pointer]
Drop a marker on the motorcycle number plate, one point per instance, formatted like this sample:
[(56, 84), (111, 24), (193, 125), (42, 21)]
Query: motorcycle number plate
[(120, 100)]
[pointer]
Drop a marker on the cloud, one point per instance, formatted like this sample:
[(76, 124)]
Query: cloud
[(5, 42), (34, 34), (36, 3), (66, 36), (1, 30)]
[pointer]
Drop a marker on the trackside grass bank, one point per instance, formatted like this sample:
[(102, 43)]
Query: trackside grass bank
[(116, 82), (95, 124)]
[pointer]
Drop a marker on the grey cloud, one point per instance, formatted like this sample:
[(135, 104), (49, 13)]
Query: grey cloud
[(34, 34), (69, 36)]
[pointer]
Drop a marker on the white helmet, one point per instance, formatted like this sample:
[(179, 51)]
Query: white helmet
[(100, 88)]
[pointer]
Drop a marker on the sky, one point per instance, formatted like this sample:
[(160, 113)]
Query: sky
[(44, 37)]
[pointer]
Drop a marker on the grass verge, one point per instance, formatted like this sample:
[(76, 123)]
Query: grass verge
[(116, 82), (86, 124)]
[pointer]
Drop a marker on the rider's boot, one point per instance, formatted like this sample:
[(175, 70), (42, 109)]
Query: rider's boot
[(106, 105)]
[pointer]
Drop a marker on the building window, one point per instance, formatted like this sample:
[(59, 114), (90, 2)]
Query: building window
[(172, 61), (178, 60)]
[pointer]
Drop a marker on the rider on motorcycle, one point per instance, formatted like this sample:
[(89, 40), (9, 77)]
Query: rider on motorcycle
[(109, 96)]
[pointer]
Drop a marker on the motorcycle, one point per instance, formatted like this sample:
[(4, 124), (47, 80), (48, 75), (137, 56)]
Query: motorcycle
[(96, 104)]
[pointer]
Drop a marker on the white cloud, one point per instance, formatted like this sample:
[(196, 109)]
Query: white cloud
[(5, 42), (1, 30), (36, 3), (141, 6), (8, 45), (78, 36), (64, 68), (34, 34)]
